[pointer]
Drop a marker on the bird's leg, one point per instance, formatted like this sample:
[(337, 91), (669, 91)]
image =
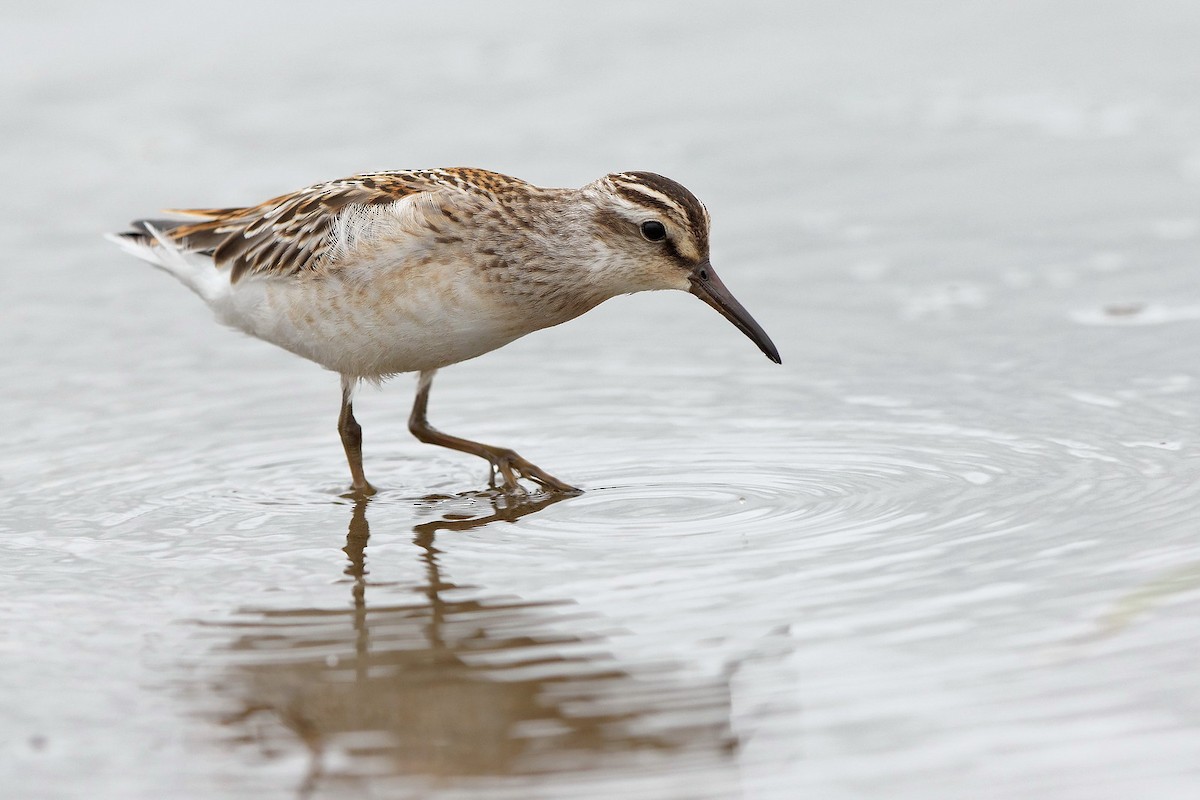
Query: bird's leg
[(505, 463), (351, 433)]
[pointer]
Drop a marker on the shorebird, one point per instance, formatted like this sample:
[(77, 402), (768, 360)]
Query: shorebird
[(411, 271)]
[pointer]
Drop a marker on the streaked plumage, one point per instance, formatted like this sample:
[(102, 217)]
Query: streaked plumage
[(410, 271)]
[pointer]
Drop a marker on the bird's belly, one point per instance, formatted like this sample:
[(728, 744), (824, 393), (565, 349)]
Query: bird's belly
[(376, 328)]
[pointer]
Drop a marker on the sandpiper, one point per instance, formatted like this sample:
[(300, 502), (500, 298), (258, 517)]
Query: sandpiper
[(410, 271)]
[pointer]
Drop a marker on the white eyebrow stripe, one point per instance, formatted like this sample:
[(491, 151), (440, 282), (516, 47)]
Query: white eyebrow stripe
[(654, 195)]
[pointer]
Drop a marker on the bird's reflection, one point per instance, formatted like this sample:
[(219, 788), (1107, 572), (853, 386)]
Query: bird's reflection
[(457, 682)]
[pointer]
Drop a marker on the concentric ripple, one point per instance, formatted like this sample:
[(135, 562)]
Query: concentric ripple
[(816, 477), (879, 486)]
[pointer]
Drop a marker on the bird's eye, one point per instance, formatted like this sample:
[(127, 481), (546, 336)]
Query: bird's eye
[(654, 230)]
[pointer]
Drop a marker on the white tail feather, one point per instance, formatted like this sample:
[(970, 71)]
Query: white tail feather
[(195, 271)]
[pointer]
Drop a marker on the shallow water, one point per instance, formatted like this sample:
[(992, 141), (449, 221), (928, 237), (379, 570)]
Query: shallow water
[(948, 549)]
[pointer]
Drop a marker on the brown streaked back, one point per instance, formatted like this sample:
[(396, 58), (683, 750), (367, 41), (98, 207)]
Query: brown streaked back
[(292, 232)]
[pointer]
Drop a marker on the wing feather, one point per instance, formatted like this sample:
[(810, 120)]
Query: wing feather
[(293, 232)]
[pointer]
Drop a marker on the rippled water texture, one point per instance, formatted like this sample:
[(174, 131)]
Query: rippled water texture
[(949, 549)]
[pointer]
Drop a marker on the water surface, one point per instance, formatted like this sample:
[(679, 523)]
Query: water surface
[(948, 549)]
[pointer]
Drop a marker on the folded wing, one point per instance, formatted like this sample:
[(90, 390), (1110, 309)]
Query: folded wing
[(286, 234)]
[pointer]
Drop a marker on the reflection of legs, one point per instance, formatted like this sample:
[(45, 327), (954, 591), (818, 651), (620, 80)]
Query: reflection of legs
[(351, 433), (506, 463)]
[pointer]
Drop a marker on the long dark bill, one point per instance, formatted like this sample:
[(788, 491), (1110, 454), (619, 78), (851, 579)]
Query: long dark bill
[(709, 288)]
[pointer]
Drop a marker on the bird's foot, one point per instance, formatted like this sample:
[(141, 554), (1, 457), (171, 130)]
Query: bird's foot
[(509, 468), (360, 491)]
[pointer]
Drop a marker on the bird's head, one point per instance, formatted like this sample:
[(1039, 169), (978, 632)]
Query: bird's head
[(654, 235)]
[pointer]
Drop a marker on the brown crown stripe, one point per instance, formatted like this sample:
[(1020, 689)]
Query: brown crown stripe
[(639, 197), (691, 208), (672, 190)]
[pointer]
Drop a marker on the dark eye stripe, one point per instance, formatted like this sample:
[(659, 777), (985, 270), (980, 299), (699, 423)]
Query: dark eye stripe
[(656, 192)]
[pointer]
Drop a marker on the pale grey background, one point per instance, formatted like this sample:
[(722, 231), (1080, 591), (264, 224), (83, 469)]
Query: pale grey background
[(948, 549)]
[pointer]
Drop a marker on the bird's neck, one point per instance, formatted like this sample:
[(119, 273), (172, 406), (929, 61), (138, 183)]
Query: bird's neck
[(557, 263)]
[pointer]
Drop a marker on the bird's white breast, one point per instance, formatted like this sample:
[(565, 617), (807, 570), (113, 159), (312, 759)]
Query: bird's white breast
[(423, 316)]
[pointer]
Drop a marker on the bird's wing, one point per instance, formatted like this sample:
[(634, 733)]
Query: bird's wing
[(295, 232)]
